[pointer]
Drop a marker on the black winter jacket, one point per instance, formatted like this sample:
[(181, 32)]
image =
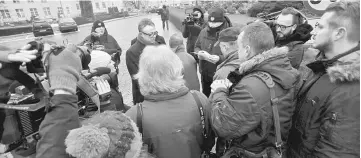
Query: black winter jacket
[(326, 122), (132, 61)]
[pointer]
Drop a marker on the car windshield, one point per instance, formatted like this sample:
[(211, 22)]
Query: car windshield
[(66, 20)]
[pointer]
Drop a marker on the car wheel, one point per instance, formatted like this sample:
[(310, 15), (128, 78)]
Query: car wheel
[(76, 29), (35, 35)]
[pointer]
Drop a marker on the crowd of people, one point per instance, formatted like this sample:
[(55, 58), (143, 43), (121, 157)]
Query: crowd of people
[(265, 93)]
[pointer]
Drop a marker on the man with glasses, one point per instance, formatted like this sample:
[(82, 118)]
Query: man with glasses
[(147, 36), (291, 30)]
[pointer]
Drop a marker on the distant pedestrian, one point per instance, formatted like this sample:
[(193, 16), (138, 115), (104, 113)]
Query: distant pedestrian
[(164, 13)]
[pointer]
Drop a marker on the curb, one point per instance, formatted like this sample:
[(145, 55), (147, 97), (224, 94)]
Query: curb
[(83, 25)]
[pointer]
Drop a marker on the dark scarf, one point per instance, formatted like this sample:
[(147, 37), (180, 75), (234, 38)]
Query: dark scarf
[(216, 29)]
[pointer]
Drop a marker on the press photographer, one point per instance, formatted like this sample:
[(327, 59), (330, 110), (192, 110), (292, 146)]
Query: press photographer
[(192, 26), (62, 64)]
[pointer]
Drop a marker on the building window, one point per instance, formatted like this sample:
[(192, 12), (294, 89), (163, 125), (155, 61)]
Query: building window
[(104, 6), (16, 1), (30, 1), (97, 5), (77, 6), (68, 10), (5, 14), (34, 12), (60, 11), (20, 13), (2, 1), (47, 11), (43, 1)]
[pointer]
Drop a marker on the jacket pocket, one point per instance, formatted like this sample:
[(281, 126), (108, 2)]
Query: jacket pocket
[(340, 131)]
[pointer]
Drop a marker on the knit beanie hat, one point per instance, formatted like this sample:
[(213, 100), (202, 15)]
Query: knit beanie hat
[(216, 15), (97, 24), (105, 135), (64, 69)]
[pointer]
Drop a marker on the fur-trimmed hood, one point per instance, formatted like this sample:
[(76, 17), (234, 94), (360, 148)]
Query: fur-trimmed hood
[(346, 69), (275, 62)]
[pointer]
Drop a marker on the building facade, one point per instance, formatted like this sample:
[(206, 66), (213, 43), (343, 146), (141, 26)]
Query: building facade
[(23, 10)]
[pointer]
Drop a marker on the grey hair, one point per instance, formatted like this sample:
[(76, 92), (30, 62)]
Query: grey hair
[(160, 71), (143, 23), (175, 40)]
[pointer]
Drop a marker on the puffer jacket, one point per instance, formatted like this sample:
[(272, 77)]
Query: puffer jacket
[(296, 43), (172, 124), (207, 41), (327, 117), (229, 64), (243, 113)]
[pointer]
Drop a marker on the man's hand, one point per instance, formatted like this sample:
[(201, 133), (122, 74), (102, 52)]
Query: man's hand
[(23, 54), (102, 86), (213, 59), (203, 55), (98, 47), (220, 84)]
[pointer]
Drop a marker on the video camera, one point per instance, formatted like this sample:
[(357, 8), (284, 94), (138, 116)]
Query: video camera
[(37, 66), (190, 20), (190, 17)]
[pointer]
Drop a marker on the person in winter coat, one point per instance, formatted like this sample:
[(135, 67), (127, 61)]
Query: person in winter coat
[(207, 47), (169, 118), (164, 13), (243, 104), (229, 47), (292, 31), (101, 40), (63, 113), (147, 36), (8, 56), (191, 30), (327, 117), (189, 63)]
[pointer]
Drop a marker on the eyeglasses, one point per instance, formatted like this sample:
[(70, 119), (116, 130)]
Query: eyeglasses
[(283, 27), (155, 33)]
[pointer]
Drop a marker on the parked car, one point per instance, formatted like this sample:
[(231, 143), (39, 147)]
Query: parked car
[(67, 24), (42, 28), (53, 22)]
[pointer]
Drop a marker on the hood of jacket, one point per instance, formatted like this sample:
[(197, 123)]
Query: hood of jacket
[(231, 60), (345, 69), (302, 33), (276, 63)]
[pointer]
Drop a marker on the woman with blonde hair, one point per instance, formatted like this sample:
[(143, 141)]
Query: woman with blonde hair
[(169, 118)]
